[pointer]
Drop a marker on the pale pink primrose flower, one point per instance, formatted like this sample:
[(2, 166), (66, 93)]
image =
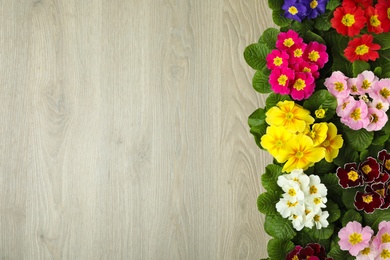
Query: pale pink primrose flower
[(337, 85), (345, 106), (381, 90), (357, 117), (379, 104), (384, 252), (378, 119), (352, 85), (354, 238), (368, 253), (383, 235), (366, 81)]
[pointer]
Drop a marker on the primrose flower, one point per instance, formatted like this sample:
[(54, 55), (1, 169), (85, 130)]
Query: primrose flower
[(368, 253), (382, 189), (349, 176), (275, 140), (288, 40), (290, 115), (357, 3), (362, 48), (378, 119), (296, 53), (332, 143), (365, 81), (354, 238), (294, 10), (384, 252), (319, 133), (370, 169), (315, 8), (348, 20), (352, 85), (301, 153), (303, 86), (280, 80), (368, 202), (383, 7), (320, 219), (287, 207), (277, 59), (296, 175), (383, 235), (345, 106), (379, 104), (385, 158), (357, 118), (373, 22), (381, 90), (337, 85), (309, 67), (316, 52)]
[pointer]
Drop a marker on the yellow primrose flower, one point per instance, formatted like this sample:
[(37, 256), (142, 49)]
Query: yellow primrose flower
[(319, 133), (290, 115), (300, 153), (275, 140), (332, 143)]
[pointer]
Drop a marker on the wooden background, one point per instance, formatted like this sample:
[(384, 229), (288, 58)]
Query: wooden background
[(123, 130)]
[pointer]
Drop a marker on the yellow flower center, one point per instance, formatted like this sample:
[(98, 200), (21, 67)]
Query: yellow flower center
[(366, 84), (313, 189), (278, 61), (313, 4), (317, 218), (339, 86), (320, 113), (288, 42), (295, 257), (348, 20), (366, 169), (384, 92), (381, 192), (353, 176), (374, 21), (299, 84), (292, 192), (388, 12), (385, 238), (385, 253), (293, 10), (282, 80), (314, 55), (355, 238), (366, 251), (307, 212), (387, 164), (354, 88), (290, 204), (326, 143), (317, 201), (299, 155), (379, 106), (298, 53), (306, 69), (289, 116), (278, 143), (355, 115), (361, 49), (367, 199), (374, 118)]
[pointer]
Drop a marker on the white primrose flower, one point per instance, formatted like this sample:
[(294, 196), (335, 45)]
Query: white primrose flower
[(286, 207), (308, 218), (320, 219), (296, 175), (315, 187), (297, 221), (293, 191), (316, 202)]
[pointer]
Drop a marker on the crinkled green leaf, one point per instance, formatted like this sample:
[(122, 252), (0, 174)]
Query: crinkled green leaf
[(359, 66), (332, 4), (255, 55), (321, 99), (351, 215), (279, 248), (376, 217), (279, 19), (378, 71), (279, 227), (346, 154), (266, 202), (383, 39), (348, 197), (380, 137), (260, 82), (357, 139), (269, 37), (275, 4), (257, 118), (258, 132), (336, 253), (323, 167), (333, 210), (323, 233), (331, 181), (302, 27), (322, 22), (311, 36), (270, 177)]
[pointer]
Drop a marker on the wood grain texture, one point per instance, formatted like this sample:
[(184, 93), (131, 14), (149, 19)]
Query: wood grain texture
[(124, 131)]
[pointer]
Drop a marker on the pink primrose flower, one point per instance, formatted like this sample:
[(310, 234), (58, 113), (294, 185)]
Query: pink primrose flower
[(316, 53), (384, 252), (357, 117), (345, 106), (277, 59), (378, 119), (383, 235), (354, 238), (379, 104), (352, 85), (303, 86), (337, 85), (381, 90), (287, 40), (366, 81), (280, 80)]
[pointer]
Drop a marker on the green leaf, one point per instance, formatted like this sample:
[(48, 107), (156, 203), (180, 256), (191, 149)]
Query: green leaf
[(384, 64), (383, 39), (255, 55), (260, 82), (275, 4), (331, 181), (341, 64), (359, 66), (376, 217), (270, 177), (322, 22), (270, 37), (333, 210), (348, 198), (279, 227), (311, 36), (279, 19), (332, 4), (351, 215), (279, 248), (336, 253), (266, 202), (302, 27), (322, 99), (258, 132), (323, 167), (380, 137), (257, 118), (357, 139), (323, 233), (378, 71), (305, 237), (346, 154), (274, 99)]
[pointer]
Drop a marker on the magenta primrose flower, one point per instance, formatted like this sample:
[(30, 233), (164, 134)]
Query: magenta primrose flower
[(287, 40), (280, 80), (303, 86), (316, 53), (277, 59), (354, 238), (296, 53)]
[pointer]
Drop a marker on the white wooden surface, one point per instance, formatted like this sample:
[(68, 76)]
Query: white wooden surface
[(123, 130)]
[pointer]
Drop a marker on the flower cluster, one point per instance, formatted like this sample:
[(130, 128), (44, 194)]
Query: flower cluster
[(291, 140), (373, 176), (303, 9), (303, 200), (362, 101), (294, 65), (311, 251), (361, 242), (350, 18)]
